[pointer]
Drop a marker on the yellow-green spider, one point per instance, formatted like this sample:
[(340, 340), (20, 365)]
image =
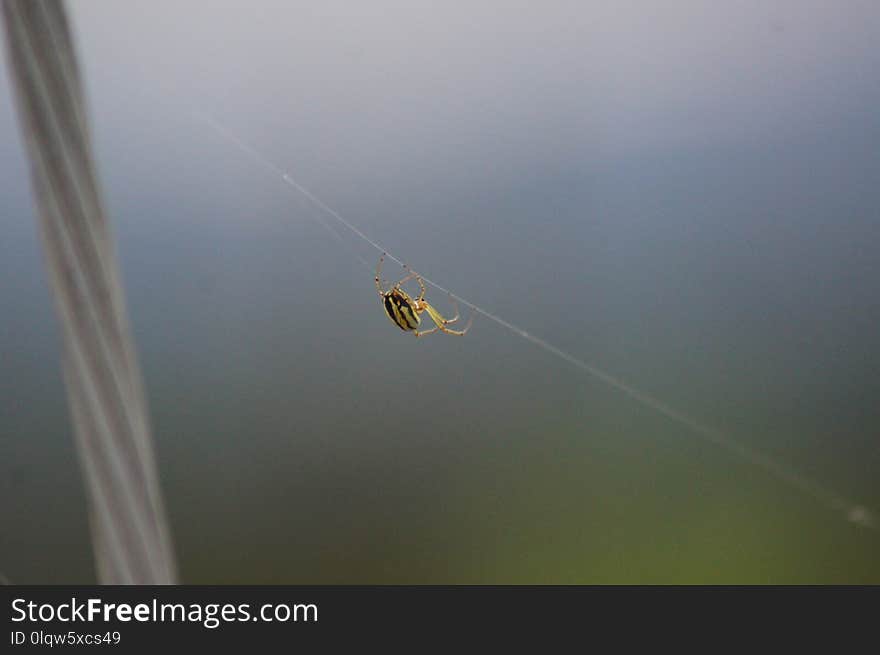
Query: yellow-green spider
[(403, 310)]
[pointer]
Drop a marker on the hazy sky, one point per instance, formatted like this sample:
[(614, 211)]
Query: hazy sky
[(371, 85), (432, 78)]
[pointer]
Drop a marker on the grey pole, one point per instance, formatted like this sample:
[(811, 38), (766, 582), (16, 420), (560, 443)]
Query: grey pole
[(130, 533)]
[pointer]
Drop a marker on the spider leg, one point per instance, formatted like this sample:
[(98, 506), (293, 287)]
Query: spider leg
[(413, 274), (405, 280), (409, 276), (459, 333), (424, 332), (454, 304), (441, 322), (378, 273)]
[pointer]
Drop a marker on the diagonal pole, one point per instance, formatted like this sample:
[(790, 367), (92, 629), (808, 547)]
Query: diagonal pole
[(130, 533)]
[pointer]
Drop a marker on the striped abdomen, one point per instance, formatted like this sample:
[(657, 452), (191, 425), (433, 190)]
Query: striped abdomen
[(400, 310)]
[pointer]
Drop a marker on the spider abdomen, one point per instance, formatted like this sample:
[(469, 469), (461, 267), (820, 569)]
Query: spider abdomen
[(401, 310)]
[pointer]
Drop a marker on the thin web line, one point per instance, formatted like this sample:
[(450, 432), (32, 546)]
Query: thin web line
[(854, 512)]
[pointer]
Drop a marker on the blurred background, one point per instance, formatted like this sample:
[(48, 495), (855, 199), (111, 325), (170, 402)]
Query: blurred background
[(683, 194)]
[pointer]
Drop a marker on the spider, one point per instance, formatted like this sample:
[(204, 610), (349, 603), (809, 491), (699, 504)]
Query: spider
[(404, 310)]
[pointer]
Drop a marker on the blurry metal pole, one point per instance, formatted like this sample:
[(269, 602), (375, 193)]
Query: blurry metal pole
[(130, 533)]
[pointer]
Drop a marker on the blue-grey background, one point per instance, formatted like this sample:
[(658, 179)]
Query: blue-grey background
[(685, 194)]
